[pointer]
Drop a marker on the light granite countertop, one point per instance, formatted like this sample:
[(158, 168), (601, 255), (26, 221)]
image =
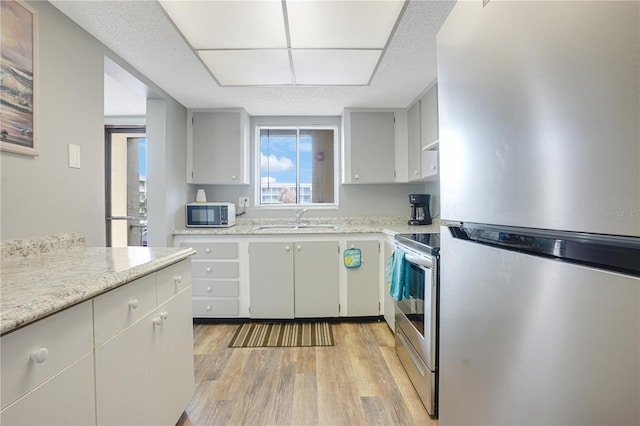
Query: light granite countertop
[(352, 225), (37, 285)]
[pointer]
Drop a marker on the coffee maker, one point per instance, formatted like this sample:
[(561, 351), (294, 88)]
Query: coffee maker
[(420, 214)]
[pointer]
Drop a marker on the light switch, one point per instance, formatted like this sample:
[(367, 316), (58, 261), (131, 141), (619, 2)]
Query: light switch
[(74, 156)]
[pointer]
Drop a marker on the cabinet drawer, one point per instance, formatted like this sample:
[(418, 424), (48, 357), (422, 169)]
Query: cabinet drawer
[(213, 250), (67, 336), (216, 288), (173, 279), (206, 269), (66, 399), (203, 308), (119, 308)]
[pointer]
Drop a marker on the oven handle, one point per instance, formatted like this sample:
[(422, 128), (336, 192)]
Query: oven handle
[(419, 260)]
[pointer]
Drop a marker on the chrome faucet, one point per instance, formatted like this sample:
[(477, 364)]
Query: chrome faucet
[(299, 214)]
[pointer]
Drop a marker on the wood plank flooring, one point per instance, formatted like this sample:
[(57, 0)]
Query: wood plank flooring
[(359, 381)]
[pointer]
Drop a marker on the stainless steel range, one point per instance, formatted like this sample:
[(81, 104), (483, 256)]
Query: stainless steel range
[(417, 318)]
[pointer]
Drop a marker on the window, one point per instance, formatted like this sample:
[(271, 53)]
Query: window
[(297, 165)]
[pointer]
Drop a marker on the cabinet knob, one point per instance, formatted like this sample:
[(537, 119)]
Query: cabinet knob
[(157, 321), (434, 167), (133, 303), (209, 288), (207, 250), (416, 173), (287, 248), (164, 315), (178, 279), (298, 247), (234, 177), (209, 269), (356, 176), (353, 246), (40, 355), (208, 308)]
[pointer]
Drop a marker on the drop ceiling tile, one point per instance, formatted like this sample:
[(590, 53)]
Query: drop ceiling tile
[(227, 24), (248, 67), (334, 67), (342, 24)]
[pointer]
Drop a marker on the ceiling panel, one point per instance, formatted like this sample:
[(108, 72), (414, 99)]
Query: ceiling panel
[(229, 24), (334, 67), (342, 24), (248, 67)]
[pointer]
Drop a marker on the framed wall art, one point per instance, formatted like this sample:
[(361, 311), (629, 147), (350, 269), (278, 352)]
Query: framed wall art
[(18, 77)]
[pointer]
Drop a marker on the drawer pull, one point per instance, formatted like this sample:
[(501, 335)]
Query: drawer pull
[(40, 355), (209, 288), (178, 279), (133, 303), (157, 321), (208, 269), (164, 315)]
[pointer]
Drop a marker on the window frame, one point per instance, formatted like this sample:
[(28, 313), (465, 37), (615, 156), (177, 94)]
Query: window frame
[(297, 126)]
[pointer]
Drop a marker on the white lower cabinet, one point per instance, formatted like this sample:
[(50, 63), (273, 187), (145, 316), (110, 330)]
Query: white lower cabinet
[(47, 370), (124, 357), (144, 375), (294, 279), (65, 399), (363, 283), (216, 272), (389, 302)]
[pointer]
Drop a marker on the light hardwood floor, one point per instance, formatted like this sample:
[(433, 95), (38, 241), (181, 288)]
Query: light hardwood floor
[(359, 381)]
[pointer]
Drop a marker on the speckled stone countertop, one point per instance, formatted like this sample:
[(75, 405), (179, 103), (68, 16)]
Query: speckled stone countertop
[(37, 285), (349, 225)]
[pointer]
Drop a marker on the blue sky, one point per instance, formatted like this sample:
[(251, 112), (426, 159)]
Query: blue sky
[(281, 154)]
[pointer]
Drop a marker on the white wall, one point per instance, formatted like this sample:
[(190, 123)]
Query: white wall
[(42, 195), (354, 200)]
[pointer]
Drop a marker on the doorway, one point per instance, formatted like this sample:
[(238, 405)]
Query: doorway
[(126, 186)]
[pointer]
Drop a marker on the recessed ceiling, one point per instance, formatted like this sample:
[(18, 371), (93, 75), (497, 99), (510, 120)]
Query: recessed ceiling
[(143, 35), (287, 42)]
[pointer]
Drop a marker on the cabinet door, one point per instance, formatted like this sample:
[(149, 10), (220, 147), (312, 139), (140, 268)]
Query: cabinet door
[(66, 399), (415, 145), (316, 279), (429, 113), (363, 283), (271, 280), (218, 148), (145, 374), (388, 301), (372, 147), (173, 381)]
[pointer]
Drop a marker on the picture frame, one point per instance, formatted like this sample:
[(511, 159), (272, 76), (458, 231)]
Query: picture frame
[(19, 78)]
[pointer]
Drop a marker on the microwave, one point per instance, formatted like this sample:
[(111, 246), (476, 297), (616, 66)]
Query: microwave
[(210, 215)]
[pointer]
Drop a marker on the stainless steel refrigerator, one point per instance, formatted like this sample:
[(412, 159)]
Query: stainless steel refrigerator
[(540, 198)]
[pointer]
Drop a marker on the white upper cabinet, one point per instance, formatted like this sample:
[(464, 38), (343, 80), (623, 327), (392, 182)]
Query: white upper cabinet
[(218, 147), (414, 138), (372, 139), (429, 113)]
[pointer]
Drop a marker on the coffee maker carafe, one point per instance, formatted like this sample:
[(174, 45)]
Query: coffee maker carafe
[(420, 214)]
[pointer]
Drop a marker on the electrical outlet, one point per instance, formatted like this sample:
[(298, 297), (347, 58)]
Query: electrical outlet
[(243, 202)]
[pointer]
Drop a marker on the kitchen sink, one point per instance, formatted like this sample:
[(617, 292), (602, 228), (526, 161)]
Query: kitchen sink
[(298, 226)]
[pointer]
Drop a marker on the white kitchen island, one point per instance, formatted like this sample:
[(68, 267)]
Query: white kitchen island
[(94, 335)]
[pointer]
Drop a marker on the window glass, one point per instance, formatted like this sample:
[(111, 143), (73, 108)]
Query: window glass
[(297, 165)]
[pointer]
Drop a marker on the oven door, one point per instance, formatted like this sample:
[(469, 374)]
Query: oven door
[(416, 316)]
